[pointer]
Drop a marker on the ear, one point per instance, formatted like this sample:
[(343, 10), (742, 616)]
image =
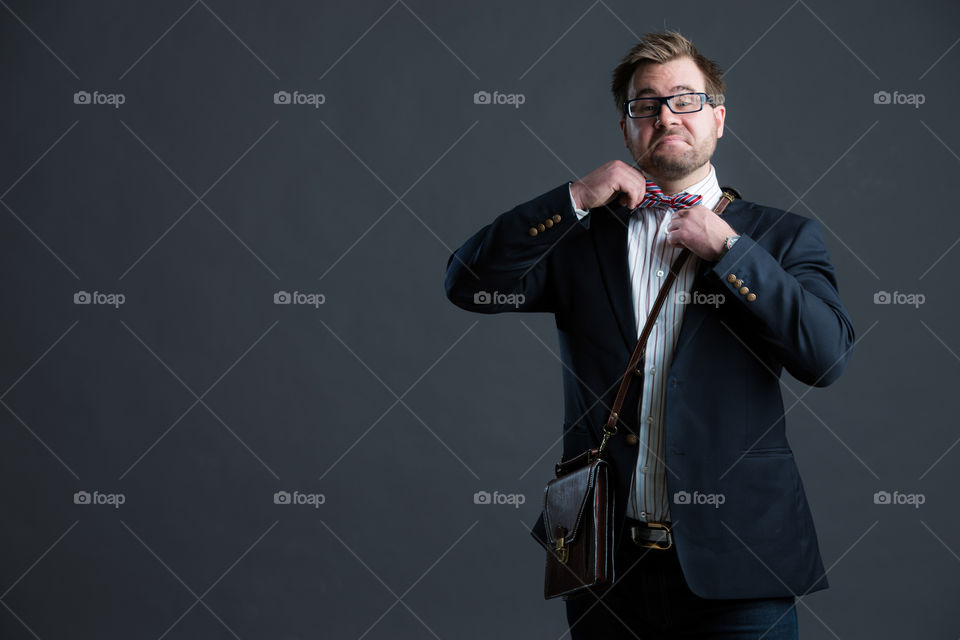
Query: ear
[(623, 130), (720, 114)]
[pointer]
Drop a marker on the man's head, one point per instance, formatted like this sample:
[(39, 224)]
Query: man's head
[(669, 146)]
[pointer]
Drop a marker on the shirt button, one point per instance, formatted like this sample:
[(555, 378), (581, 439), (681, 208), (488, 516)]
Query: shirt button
[(653, 370), (659, 273), (644, 469), (643, 514), (649, 419)]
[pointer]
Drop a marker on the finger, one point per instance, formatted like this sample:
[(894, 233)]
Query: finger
[(634, 184), (631, 193), (641, 183)]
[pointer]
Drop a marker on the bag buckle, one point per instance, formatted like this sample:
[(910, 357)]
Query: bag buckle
[(562, 552), (560, 549)]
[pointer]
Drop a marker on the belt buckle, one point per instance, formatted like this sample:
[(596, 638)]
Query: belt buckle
[(656, 544)]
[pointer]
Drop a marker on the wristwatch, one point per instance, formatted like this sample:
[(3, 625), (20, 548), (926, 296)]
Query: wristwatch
[(731, 240)]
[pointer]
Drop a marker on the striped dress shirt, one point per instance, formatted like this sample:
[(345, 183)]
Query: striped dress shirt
[(649, 257)]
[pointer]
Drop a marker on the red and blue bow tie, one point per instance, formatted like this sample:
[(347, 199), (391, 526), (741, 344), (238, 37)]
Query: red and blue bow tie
[(654, 198)]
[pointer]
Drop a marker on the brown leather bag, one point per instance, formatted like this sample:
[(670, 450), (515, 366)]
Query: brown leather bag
[(578, 504), (578, 515)]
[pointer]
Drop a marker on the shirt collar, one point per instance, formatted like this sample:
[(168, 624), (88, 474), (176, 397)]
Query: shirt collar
[(708, 188)]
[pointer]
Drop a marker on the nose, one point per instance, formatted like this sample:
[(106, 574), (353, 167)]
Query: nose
[(666, 118)]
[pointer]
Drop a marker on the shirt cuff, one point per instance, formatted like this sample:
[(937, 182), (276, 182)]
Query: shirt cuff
[(573, 205)]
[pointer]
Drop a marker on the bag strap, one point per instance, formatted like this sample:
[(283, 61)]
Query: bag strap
[(633, 366)]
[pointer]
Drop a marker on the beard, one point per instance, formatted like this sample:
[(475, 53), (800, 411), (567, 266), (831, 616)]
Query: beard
[(673, 164)]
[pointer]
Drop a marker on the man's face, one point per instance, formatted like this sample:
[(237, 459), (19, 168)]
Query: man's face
[(675, 145)]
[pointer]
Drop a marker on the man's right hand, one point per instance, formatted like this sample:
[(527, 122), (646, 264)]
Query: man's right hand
[(601, 185)]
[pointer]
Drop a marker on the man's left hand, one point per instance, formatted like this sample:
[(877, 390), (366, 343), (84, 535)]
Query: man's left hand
[(700, 230)]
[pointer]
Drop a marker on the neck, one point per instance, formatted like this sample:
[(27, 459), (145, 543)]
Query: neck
[(674, 186)]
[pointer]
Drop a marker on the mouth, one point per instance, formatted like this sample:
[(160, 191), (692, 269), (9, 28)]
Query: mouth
[(670, 139)]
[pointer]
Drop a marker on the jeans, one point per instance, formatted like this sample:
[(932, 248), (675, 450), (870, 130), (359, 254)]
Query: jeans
[(650, 600)]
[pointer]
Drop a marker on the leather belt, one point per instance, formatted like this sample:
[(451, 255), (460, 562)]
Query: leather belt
[(651, 535)]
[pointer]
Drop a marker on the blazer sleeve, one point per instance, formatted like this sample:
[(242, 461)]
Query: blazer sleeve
[(506, 265), (796, 301)]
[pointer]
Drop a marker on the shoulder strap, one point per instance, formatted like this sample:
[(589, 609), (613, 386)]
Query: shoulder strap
[(633, 366)]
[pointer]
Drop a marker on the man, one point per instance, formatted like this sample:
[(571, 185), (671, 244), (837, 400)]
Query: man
[(714, 534)]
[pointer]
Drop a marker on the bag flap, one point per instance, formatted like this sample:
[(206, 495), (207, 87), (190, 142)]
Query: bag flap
[(565, 499), (539, 533)]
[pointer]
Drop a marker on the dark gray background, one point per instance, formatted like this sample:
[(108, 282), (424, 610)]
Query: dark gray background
[(199, 398)]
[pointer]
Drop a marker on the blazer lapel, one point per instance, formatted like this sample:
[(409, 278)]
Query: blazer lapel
[(610, 243)]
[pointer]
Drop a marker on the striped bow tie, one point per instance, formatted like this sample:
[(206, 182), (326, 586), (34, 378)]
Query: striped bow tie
[(655, 197)]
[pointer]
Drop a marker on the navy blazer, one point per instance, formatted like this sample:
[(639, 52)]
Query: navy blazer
[(725, 427)]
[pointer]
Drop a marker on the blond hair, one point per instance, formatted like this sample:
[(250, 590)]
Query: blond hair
[(658, 48)]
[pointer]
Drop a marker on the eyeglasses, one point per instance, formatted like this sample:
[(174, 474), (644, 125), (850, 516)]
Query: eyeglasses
[(679, 103)]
